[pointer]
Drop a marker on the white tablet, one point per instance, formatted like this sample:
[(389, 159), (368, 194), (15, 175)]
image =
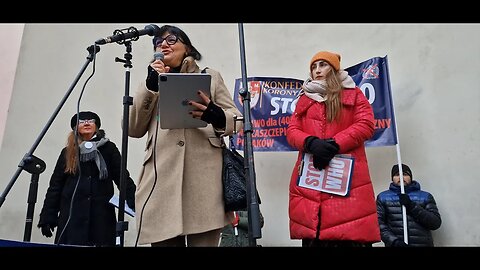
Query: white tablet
[(175, 90)]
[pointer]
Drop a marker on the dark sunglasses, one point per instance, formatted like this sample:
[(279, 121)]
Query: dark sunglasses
[(171, 39)]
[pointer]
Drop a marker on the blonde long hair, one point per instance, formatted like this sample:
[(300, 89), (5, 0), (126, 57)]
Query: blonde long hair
[(334, 96), (71, 155)]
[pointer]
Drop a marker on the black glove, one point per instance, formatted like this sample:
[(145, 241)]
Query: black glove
[(405, 200), (214, 115), (152, 79), (399, 243), (323, 150), (47, 230)]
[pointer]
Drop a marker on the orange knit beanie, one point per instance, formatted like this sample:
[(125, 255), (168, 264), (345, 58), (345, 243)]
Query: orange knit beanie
[(332, 58)]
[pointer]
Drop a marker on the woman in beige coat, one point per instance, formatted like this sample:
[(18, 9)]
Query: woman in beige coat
[(179, 191)]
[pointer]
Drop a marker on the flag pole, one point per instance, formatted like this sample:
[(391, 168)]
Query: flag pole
[(399, 158)]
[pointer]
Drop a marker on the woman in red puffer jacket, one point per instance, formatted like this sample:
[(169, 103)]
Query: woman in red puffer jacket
[(332, 116)]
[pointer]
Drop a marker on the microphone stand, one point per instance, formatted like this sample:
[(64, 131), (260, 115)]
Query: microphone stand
[(122, 225), (35, 165), (254, 229)]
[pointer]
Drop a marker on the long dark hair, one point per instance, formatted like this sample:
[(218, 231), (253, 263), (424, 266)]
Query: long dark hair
[(191, 50)]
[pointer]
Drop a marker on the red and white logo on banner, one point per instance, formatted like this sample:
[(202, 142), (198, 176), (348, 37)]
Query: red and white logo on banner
[(334, 179)]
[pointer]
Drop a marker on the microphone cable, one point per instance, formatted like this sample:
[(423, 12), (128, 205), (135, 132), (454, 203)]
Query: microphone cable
[(70, 211), (154, 153)]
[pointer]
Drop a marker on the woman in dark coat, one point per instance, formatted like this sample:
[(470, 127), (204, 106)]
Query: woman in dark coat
[(77, 199)]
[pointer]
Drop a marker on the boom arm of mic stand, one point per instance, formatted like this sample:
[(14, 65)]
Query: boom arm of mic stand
[(93, 49)]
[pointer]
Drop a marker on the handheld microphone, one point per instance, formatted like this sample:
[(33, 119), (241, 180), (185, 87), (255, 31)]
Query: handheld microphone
[(132, 34), (158, 56)]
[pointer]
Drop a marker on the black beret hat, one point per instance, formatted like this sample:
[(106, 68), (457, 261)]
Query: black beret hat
[(405, 169), (84, 116)]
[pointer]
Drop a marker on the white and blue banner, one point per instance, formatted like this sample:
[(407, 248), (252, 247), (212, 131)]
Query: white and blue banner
[(273, 101)]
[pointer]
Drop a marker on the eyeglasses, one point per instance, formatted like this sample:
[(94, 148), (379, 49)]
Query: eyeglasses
[(85, 121), (171, 39)]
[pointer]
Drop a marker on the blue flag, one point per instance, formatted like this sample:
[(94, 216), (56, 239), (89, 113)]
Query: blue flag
[(372, 77)]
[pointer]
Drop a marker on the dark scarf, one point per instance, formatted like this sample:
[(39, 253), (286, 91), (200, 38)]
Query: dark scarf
[(89, 151)]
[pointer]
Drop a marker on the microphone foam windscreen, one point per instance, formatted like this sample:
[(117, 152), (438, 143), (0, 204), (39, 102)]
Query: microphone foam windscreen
[(158, 56)]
